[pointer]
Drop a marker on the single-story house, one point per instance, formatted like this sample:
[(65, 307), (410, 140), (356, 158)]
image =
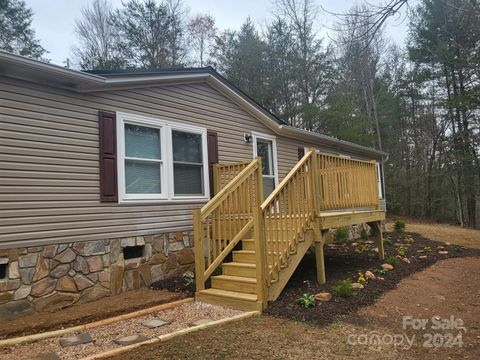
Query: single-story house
[(100, 172)]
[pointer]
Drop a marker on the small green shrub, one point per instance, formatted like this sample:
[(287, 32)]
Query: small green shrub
[(401, 251), (340, 235), (427, 250), (380, 271), (387, 240), (399, 226), (362, 279), (364, 234), (361, 249), (307, 300), (189, 280), (344, 288), (392, 260)]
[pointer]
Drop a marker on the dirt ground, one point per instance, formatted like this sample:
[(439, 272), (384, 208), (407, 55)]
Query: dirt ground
[(450, 287), (443, 232), (85, 313)]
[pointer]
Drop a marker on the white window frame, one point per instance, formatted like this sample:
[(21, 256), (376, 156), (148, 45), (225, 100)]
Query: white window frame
[(379, 181), (273, 139), (167, 180)]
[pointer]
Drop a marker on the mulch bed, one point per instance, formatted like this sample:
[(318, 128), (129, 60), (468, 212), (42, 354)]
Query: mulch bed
[(342, 263)]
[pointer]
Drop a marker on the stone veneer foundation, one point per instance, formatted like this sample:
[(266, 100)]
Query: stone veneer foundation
[(51, 277)]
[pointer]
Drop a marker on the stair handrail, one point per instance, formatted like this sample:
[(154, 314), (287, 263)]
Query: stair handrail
[(287, 212), (224, 220)]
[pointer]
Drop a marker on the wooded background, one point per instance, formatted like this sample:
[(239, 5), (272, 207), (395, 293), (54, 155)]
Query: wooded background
[(419, 101)]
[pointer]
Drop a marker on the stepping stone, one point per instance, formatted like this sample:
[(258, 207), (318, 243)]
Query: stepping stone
[(201, 322), (46, 356), (83, 338), (129, 340), (155, 323)]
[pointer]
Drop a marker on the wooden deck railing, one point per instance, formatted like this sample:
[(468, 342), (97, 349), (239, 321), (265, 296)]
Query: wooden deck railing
[(225, 219), (286, 213), (346, 183), (224, 173)]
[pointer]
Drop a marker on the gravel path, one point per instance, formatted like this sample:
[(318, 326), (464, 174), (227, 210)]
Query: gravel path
[(179, 318)]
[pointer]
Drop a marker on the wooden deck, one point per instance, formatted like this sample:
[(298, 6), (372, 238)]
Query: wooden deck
[(268, 238)]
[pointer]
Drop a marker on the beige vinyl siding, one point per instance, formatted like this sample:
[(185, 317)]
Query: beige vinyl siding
[(49, 168), (49, 174)]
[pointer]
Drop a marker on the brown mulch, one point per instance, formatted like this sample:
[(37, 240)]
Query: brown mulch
[(85, 313), (345, 263)]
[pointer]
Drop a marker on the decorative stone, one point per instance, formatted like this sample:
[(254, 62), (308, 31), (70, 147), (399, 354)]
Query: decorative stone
[(4, 260), (423, 257), (158, 258), (104, 278), (61, 248), (6, 296), (406, 260), (60, 271), (106, 260), (53, 264), (22, 292), (145, 274), (79, 339), (46, 356), (323, 296), (201, 322), (94, 293), (13, 309), (387, 266), (65, 257), (158, 242), (35, 249), (356, 286), (26, 275), (55, 301), (170, 264), (49, 251), (114, 251), (41, 269), (148, 252), (82, 282), (67, 284), (80, 265), (139, 241), (131, 280), (93, 277), (43, 287), (176, 246), (28, 260), (128, 242), (133, 263), (14, 270), (443, 252), (155, 323), (185, 256), (90, 248), (370, 275), (129, 340), (157, 273), (95, 263), (116, 278), (7, 285)]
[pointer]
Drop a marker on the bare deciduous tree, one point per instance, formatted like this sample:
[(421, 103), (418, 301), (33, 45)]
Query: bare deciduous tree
[(201, 30)]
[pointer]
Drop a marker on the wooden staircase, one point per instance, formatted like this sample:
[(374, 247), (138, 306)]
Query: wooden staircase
[(259, 244)]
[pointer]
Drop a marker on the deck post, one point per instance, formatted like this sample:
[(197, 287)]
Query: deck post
[(314, 174), (320, 238), (377, 229), (198, 250)]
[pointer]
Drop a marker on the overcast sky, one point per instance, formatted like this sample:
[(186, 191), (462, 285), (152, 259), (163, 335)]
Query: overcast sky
[(53, 20)]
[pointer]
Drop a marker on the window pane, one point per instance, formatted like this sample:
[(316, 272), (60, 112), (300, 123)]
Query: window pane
[(264, 151), (142, 177), (268, 186), (187, 147), (142, 142), (188, 179)]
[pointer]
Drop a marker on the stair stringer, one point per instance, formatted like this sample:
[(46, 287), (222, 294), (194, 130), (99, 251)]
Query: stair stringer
[(276, 288)]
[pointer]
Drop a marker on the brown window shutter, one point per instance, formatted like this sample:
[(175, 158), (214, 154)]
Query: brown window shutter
[(108, 156), (301, 152), (212, 145)]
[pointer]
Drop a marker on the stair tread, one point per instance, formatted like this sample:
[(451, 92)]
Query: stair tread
[(236, 278), (230, 294), (244, 251), (247, 265)]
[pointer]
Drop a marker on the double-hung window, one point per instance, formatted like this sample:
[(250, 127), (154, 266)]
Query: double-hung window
[(160, 160)]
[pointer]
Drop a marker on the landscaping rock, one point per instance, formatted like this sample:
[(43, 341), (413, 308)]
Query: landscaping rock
[(129, 340), (155, 323), (43, 287), (46, 356), (66, 256), (13, 309), (443, 252), (201, 322), (323, 297), (357, 286), (370, 275), (406, 260), (67, 284), (83, 338), (423, 257), (55, 301), (387, 266), (82, 282)]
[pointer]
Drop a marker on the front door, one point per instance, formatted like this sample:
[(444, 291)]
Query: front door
[(265, 147)]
